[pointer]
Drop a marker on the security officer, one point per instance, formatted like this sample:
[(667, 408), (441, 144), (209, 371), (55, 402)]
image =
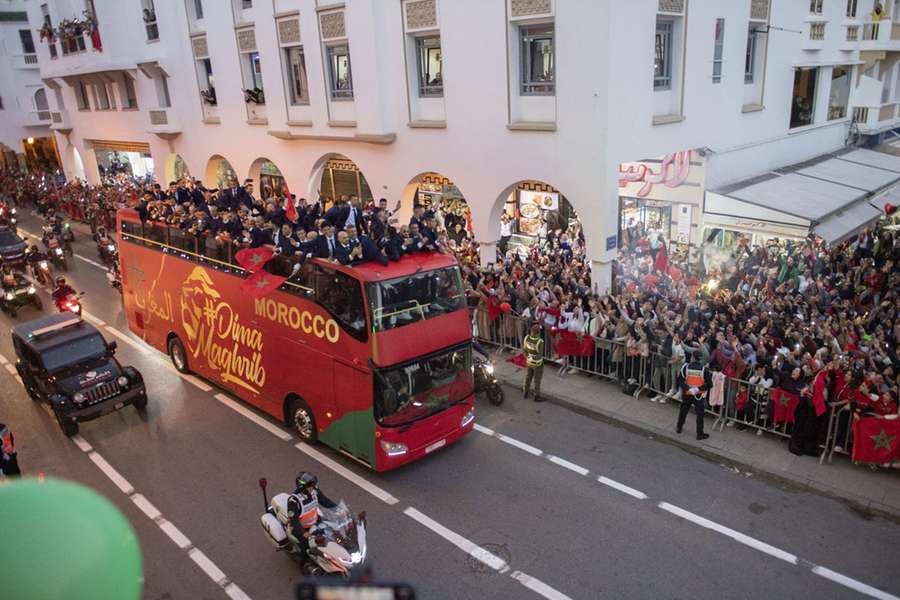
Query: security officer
[(9, 464), (534, 361), (303, 509), (695, 381)]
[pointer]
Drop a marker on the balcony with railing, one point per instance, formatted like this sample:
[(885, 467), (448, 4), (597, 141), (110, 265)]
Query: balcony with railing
[(38, 118), (164, 122), (878, 118), (25, 61), (880, 35), (60, 121)]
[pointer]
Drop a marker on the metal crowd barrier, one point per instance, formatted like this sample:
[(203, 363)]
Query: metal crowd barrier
[(745, 405)]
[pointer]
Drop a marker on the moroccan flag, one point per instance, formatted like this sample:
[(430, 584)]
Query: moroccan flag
[(261, 284), (253, 259), (568, 344), (785, 403), (876, 440), (518, 360), (290, 211), (662, 259)]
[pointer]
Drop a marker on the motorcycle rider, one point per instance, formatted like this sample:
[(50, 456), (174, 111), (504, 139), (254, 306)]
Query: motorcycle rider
[(62, 290), (103, 242), (7, 278), (33, 258), (303, 513)]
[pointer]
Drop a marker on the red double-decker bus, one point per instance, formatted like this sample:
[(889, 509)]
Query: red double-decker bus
[(372, 360)]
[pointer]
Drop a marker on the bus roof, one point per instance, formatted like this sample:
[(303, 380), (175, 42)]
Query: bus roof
[(409, 264)]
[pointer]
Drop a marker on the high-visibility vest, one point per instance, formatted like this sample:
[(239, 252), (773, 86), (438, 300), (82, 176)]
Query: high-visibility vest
[(694, 377), (6, 441), (534, 351), (309, 509)]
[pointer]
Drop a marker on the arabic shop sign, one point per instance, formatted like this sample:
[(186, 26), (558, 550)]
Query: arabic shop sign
[(673, 172)]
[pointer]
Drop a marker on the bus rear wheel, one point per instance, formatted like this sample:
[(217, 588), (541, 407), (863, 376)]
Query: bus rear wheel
[(178, 355), (302, 419)]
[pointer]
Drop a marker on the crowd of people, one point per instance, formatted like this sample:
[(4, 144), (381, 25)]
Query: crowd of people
[(818, 324)]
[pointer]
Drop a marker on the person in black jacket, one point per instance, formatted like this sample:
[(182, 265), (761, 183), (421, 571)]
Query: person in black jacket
[(694, 381), (391, 244)]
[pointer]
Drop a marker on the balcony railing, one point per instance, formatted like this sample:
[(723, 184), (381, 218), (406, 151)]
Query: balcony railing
[(25, 61), (159, 117), (38, 118), (59, 121)]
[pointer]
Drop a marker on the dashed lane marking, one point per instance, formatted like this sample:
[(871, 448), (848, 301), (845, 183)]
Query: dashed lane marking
[(174, 534), (853, 584), (82, 443), (202, 385), (127, 339), (483, 429), (469, 547), (90, 262), (568, 465), (347, 473), (3, 360), (520, 445), (235, 593), (146, 506), (728, 532), (95, 320), (207, 566), (246, 412), (538, 586), (10, 368), (622, 488), (113, 475)]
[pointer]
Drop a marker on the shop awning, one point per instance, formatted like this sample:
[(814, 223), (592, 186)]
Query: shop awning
[(833, 194)]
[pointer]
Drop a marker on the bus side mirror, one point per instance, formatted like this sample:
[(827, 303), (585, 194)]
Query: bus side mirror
[(112, 347)]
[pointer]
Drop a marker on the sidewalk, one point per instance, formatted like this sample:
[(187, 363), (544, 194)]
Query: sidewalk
[(876, 493)]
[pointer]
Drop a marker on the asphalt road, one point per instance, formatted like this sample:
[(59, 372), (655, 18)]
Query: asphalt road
[(516, 510)]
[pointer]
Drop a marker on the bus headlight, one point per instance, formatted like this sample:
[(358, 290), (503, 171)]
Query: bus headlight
[(393, 448), (467, 418)]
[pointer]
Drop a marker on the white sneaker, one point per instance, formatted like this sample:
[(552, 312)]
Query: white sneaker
[(838, 448), (662, 400), (653, 398), (729, 424)]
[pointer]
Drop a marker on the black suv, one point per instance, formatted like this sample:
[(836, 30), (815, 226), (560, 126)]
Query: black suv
[(65, 362), (12, 247)]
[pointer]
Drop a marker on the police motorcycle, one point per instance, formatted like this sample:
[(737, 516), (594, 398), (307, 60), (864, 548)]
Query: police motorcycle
[(54, 249), (38, 265), (113, 276), (486, 381), (107, 250), (336, 542), (67, 235)]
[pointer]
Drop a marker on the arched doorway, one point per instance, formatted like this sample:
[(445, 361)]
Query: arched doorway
[(336, 176), (268, 177), (219, 173), (40, 101), (534, 212), (437, 193), (176, 168)]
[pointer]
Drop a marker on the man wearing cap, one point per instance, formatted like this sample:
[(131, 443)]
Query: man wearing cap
[(695, 381), (534, 362)]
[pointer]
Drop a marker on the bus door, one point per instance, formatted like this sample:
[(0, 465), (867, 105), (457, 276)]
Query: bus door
[(353, 400)]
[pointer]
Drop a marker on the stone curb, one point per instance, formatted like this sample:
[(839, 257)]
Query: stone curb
[(865, 506)]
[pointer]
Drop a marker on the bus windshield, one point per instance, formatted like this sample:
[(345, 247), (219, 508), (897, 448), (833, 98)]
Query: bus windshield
[(398, 302), (416, 390)]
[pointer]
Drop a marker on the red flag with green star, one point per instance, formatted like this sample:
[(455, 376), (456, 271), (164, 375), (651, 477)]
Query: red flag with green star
[(253, 259), (876, 440), (784, 404), (261, 284)]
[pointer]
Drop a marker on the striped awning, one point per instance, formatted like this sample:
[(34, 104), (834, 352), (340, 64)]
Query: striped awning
[(120, 146)]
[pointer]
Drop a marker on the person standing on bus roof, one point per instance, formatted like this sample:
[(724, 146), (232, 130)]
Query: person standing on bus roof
[(327, 241), (534, 362)]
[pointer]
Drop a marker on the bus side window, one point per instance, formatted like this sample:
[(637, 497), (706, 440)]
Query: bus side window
[(341, 295)]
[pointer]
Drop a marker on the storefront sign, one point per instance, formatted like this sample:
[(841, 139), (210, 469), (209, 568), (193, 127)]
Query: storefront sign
[(683, 234), (543, 200), (611, 242)]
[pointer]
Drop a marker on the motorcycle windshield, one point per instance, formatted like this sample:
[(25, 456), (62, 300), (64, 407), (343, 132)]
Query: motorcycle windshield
[(339, 521)]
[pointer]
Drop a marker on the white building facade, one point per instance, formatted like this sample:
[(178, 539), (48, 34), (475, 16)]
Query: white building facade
[(495, 96)]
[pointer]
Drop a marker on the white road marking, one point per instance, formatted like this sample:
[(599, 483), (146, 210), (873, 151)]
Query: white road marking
[(3, 360), (110, 472), (622, 488), (82, 443), (568, 465), (174, 534), (89, 317), (470, 548), (235, 593), (728, 532), (853, 584), (136, 345), (538, 586), (146, 507), (246, 412), (10, 368), (520, 445), (347, 473), (17, 378), (208, 566), (198, 383), (484, 430), (91, 262)]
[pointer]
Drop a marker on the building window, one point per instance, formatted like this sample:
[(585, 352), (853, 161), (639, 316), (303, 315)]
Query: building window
[(149, 15), (662, 63), (885, 78), (538, 67), (206, 81), (245, 4), (851, 9), (803, 100), (340, 77), (102, 96), (428, 58), (255, 72), (817, 31), (750, 59), (815, 6), (27, 41), (165, 101), (839, 96), (198, 9), (296, 75), (81, 96), (718, 50), (130, 93)]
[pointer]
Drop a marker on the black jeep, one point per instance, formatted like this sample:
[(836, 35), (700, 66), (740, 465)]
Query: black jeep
[(12, 247), (65, 362)]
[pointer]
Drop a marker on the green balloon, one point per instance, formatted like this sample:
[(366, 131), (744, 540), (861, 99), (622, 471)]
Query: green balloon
[(62, 540)]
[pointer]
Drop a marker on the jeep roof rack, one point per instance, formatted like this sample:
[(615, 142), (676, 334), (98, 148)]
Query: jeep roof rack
[(56, 326)]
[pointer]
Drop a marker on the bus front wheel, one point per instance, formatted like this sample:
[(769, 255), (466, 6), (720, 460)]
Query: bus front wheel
[(178, 355), (303, 421)]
